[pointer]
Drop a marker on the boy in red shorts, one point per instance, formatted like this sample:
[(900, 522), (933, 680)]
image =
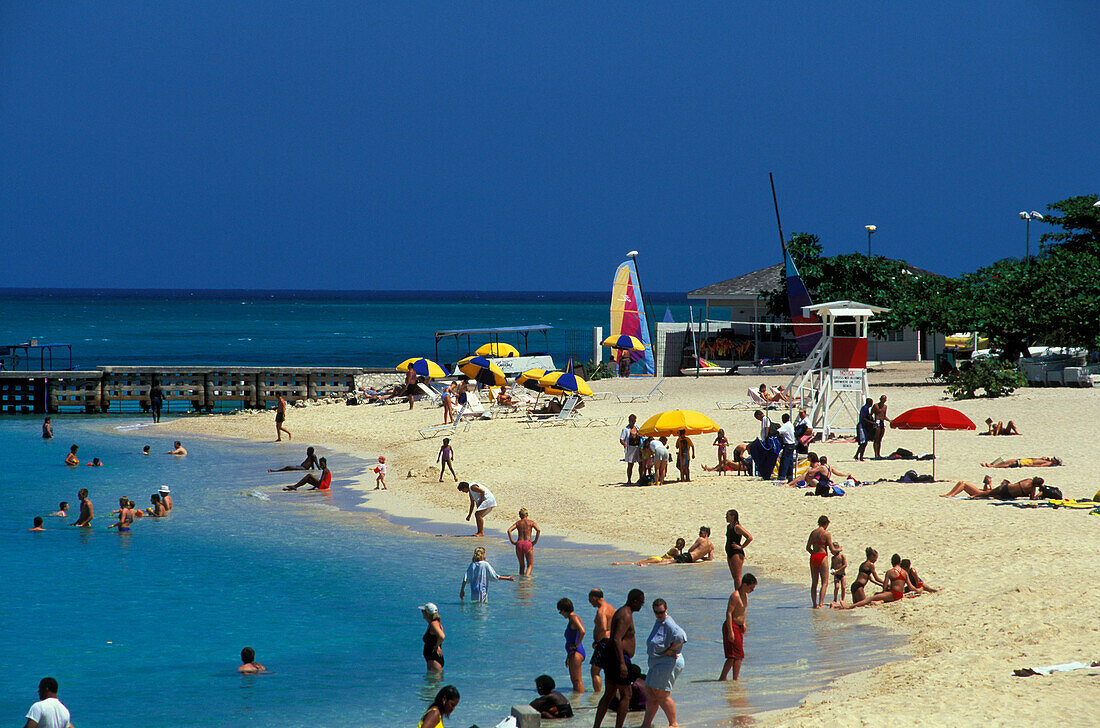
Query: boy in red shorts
[(733, 629)]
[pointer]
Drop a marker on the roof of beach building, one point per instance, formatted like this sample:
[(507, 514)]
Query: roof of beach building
[(750, 284)]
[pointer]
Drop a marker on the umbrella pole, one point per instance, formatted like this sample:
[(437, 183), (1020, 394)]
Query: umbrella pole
[(933, 454)]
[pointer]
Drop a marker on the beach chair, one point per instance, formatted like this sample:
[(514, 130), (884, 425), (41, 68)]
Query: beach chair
[(602, 395), (758, 401), (432, 394), (473, 408), (653, 393), (429, 432), (561, 418), (582, 420), (735, 404)]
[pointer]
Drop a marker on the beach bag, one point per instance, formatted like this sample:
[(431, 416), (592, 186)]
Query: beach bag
[(837, 490), (1050, 492)]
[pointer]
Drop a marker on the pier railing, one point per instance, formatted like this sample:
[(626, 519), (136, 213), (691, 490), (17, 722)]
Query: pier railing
[(199, 389)]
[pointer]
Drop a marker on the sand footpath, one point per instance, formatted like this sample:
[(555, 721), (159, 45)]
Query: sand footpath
[(1019, 584)]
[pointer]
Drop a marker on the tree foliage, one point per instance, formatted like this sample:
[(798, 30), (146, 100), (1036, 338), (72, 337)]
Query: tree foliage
[(997, 378), (1050, 298)]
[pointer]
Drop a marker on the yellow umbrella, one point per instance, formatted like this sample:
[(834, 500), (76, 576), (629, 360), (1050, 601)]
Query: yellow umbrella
[(499, 351), (423, 367), (671, 422), (482, 371), (566, 381), (530, 380), (623, 342)]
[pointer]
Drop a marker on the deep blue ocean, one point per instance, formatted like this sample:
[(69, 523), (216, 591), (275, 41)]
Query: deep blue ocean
[(146, 627), (296, 328)]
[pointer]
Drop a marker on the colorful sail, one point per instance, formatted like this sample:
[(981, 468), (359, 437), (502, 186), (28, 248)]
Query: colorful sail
[(807, 329), (628, 314)]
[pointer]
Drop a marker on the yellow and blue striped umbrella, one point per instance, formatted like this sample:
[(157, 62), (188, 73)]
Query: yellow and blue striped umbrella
[(622, 342), (423, 367), (566, 382), (482, 371)]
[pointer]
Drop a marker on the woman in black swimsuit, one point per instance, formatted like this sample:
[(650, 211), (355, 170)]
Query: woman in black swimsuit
[(735, 549), (433, 638), (866, 573)]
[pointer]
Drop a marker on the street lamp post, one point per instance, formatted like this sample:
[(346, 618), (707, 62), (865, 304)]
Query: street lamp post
[(870, 231), (1028, 217)]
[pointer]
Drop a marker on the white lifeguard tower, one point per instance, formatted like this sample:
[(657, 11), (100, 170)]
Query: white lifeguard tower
[(832, 383)]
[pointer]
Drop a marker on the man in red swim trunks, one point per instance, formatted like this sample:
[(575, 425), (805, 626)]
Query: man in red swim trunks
[(818, 546), (733, 629), (315, 483), (524, 543)]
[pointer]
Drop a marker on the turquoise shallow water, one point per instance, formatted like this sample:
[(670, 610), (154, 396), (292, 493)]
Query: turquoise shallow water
[(146, 627)]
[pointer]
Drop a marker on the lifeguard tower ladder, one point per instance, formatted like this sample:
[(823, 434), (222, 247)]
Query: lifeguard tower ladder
[(832, 383)]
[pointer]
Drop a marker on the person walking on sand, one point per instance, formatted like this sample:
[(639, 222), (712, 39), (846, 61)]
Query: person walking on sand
[(631, 441), (616, 662), (380, 469), (411, 381), (477, 575), (48, 712), (85, 518), (685, 453), (482, 503), (449, 403), (433, 637), (156, 400), (735, 548), (574, 644), (734, 628), (524, 543), (817, 546), (878, 414), (280, 418), (446, 458), (601, 635)]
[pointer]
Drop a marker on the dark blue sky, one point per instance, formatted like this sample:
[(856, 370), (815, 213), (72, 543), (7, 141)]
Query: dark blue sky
[(516, 145)]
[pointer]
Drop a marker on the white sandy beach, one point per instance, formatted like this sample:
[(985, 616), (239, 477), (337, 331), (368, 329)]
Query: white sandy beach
[(1018, 584)]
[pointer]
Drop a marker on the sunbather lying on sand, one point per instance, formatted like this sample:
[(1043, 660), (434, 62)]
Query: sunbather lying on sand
[(1025, 488), (668, 558), (1000, 428), (1050, 462)]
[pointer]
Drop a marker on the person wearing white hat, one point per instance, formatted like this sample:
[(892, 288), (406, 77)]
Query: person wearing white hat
[(433, 637), (166, 498)]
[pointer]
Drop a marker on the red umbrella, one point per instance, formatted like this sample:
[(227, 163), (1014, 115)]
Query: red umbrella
[(932, 418)]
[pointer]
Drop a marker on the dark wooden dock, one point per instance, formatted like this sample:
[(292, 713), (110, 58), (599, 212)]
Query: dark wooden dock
[(196, 389)]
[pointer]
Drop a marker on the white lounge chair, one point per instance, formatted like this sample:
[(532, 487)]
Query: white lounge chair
[(561, 418), (473, 409), (653, 393), (735, 404), (582, 420), (429, 432), (432, 394)]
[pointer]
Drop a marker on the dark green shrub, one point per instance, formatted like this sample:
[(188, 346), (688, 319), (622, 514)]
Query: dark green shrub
[(997, 378)]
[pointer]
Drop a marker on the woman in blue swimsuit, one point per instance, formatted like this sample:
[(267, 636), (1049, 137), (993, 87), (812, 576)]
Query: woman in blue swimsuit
[(574, 644)]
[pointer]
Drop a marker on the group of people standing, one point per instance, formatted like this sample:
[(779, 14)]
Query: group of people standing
[(652, 456)]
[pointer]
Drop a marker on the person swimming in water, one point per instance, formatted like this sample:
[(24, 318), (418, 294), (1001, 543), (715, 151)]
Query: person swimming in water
[(248, 665), (524, 543), (308, 464), (71, 459), (178, 449), (125, 515)]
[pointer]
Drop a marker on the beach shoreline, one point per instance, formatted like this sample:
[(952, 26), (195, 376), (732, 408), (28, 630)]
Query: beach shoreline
[(961, 645)]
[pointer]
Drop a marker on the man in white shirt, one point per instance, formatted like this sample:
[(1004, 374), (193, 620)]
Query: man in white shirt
[(786, 456), (630, 441), (765, 424), (48, 712)]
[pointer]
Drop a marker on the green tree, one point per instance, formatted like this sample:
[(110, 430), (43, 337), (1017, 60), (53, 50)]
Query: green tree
[(1080, 221)]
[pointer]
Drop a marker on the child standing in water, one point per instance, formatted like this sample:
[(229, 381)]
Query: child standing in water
[(838, 566), (380, 481), (477, 576), (722, 443), (446, 458)]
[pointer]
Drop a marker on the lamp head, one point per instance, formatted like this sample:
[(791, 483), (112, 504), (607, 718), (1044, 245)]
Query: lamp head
[(1023, 215), (1096, 204), (870, 228), (632, 253), (1036, 215)]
